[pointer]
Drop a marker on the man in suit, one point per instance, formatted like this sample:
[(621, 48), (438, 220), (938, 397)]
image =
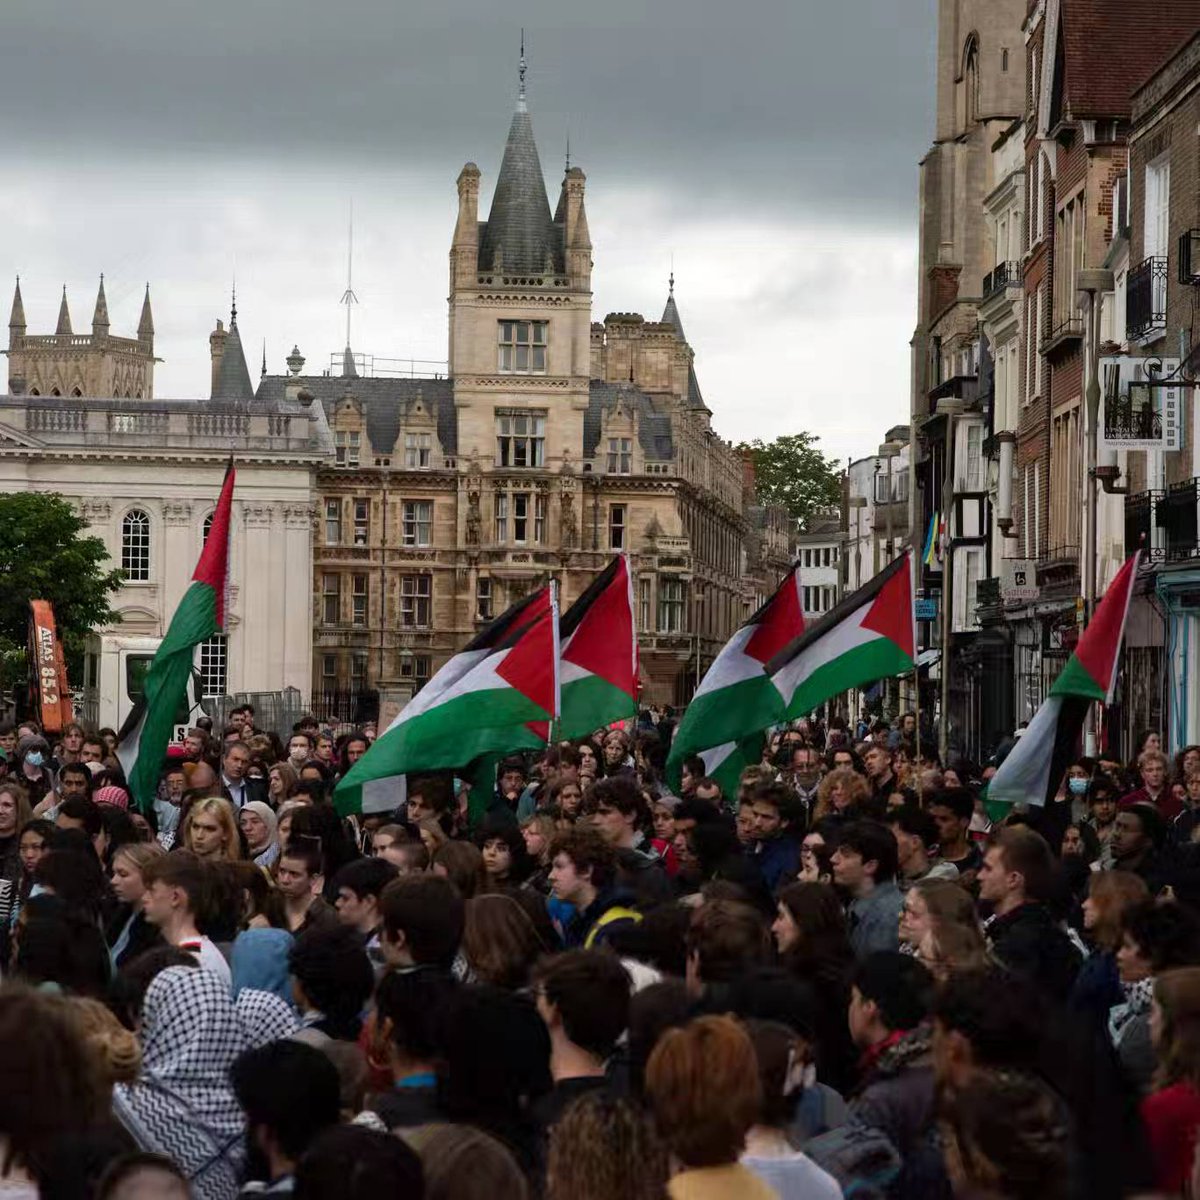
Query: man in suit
[(235, 787)]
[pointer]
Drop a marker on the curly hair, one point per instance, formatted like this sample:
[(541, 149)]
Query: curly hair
[(116, 1050), (604, 1147), (852, 783)]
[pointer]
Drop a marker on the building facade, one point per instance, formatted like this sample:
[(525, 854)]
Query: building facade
[(145, 475), (552, 442)]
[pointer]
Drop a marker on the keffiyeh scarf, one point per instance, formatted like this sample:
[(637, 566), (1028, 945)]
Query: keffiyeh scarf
[(1137, 1001), (183, 1106), (265, 1017)]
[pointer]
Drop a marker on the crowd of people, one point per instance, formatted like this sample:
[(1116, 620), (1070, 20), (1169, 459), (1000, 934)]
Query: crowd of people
[(849, 975)]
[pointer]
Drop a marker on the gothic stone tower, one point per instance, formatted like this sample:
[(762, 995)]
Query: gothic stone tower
[(65, 363)]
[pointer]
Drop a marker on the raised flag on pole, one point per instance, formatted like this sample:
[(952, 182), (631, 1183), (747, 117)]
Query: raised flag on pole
[(200, 615), (1036, 764), (736, 700), (599, 661), (488, 697), (869, 636)]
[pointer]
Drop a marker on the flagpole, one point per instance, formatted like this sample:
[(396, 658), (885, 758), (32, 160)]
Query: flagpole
[(916, 678)]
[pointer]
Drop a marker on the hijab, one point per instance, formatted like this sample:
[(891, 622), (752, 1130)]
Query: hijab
[(265, 1017), (182, 1105), (266, 856), (259, 961)]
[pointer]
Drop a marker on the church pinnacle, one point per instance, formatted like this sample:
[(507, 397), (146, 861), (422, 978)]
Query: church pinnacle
[(100, 323), (16, 320), (146, 324), (64, 316)]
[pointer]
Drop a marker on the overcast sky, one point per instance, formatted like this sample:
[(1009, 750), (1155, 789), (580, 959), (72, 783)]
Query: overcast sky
[(770, 148)]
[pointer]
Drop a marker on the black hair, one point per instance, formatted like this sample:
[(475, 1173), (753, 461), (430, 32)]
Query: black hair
[(501, 826), (349, 1162), (590, 990), (693, 764), (874, 841), (1153, 825), (58, 944), (291, 1088), (414, 1002), (900, 986), (780, 796), (916, 822), (365, 877), (1000, 1014), (1168, 935), (128, 991), (430, 913), (306, 849), (331, 964), (80, 769), (958, 800), (80, 808), (74, 876)]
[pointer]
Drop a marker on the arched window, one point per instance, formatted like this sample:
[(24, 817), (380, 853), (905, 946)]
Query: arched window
[(55, 392), (971, 79), (34, 392), (76, 392), (135, 545)]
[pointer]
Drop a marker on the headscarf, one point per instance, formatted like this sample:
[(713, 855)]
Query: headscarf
[(183, 1106), (270, 852), (265, 1017), (259, 961), (111, 794)]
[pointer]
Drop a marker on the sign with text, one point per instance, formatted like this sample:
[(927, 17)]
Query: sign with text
[(1018, 580), (925, 608), (1140, 403)]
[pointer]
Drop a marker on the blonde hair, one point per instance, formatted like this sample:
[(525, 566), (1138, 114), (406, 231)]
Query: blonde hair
[(114, 1049), (219, 807), (140, 854)]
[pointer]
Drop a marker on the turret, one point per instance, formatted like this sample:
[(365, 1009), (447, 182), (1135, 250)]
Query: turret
[(100, 316), (464, 251), (577, 237), (64, 316), (216, 350)]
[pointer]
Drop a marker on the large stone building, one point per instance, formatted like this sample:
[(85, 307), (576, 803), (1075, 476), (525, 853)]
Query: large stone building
[(552, 443), (145, 474)]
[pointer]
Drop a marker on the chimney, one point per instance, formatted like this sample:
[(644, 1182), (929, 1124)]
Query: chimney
[(216, 348)]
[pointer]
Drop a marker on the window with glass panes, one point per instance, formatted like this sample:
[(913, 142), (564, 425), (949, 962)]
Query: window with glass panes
[(520, 438), (211, 660), (620, 456), (331, 597), (329, 671), (416, 600), (418, 450), (522, 346), (483, 598), (416, 669), (135, 545), (520, 517), (362, 522), (333, 522), (616, 526), (644, 602), (358, 599), (347, 443), (358, 669), (417, 522), (672, 606)]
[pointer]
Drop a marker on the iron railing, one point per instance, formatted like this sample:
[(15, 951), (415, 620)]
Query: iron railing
[(1142, 516), (1178, 517), (1004, 275), (1146, 299), (1130, 419)]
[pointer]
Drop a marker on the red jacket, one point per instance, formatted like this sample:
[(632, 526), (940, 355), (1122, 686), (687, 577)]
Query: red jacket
[(1168, 807), (1172, 1118)]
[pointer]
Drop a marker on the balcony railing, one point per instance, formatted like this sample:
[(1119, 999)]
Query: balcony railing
[(1065, 328), (957, 387), (1142, 515), (1178, 517), (1005, 275), (1146, 299)]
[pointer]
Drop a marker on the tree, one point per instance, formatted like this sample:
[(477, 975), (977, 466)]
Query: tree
[(793, 473), (45, 555)]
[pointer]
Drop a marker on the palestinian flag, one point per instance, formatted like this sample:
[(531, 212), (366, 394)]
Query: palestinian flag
[(200, 615), (736, 700), (1036, 764), (870, 635), (484, 699), (599, 661)]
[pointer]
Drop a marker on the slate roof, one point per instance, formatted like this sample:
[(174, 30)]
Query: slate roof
[(1111, 47), (384, 403), (654, 427), (519, 225), (233, 376)]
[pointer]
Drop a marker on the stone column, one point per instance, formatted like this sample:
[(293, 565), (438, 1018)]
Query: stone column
[(296, 591), (260, 604)]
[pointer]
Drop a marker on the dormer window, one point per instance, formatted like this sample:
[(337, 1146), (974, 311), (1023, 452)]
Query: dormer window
[(418, 449), (620, 456), (522, 346), (347, 444)]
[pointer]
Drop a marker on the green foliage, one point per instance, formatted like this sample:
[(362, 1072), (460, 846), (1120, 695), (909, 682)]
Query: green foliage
[(45, 555), (793, 473)]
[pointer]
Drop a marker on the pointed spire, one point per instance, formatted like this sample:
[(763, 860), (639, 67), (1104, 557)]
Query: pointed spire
[(520, 236), (146, 324), (671, 312), (16, 320), (264, 363), (521, 106), (232, 382), (100, 316), (349, 369), (64, 315)]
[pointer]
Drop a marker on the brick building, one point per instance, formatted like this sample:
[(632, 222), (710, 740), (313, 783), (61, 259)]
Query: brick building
[(550, 443)]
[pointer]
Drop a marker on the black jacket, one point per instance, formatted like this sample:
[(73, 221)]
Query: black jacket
[(1029, 942), (142, 935)]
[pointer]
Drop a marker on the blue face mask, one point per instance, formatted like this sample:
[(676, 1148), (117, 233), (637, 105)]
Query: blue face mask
[(1077, 786), (34, 758)]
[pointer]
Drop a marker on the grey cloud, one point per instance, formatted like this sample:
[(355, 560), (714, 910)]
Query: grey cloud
[(770, 105)]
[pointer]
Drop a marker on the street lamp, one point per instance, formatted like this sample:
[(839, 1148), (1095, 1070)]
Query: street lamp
[(952, 408), (1090, 285)]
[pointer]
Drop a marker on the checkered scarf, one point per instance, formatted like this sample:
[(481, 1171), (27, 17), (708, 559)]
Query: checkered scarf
[(265, 1017), (183, 1106)]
